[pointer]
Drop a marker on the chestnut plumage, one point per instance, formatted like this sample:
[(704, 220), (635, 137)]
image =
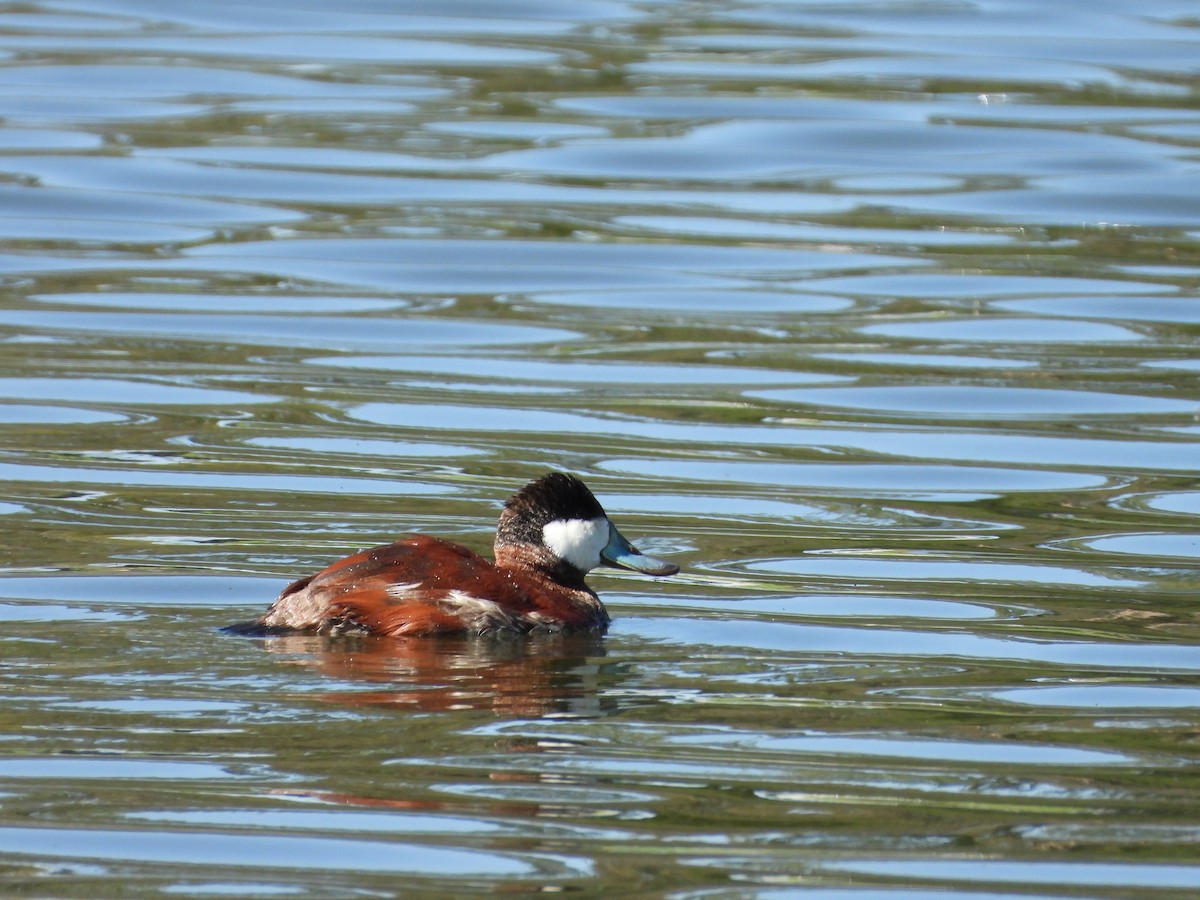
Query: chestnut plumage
[(551, 534)]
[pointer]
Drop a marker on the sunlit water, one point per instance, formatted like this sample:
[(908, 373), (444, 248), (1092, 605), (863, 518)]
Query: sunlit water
[(881, 319)]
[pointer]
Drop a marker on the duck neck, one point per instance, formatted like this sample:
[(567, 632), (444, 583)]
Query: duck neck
[(539, 560)]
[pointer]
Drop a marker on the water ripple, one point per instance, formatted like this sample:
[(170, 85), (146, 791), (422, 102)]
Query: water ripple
[(878, 318), (794, 638)]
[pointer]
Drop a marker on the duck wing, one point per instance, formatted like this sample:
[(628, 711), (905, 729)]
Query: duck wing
[(418, 585)]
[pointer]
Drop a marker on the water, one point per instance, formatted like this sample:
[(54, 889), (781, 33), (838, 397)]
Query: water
[(880, 319)]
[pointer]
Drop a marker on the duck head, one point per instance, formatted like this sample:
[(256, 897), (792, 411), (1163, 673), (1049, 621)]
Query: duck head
[(557, 524)]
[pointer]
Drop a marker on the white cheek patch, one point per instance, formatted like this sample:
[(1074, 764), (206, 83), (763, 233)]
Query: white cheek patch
[(578, 541)]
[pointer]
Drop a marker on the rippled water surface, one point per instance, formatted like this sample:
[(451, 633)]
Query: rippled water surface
[(881, 319)]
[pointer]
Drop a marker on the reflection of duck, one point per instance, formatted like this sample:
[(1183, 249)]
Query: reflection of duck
[(551, 534), (547, 674)]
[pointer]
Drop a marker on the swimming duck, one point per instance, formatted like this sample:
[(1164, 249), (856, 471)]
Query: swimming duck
[(551, 534)]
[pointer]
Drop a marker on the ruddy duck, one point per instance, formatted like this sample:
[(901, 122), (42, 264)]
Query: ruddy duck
[(551, 534)]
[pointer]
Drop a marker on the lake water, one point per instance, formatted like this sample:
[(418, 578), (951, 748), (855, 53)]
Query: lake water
[(881, 319)]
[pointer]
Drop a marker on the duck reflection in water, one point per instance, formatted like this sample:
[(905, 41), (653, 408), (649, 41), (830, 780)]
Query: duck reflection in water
[(535, 676)]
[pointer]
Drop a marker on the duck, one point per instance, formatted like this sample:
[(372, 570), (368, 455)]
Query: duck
[(551, 534)]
